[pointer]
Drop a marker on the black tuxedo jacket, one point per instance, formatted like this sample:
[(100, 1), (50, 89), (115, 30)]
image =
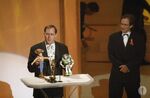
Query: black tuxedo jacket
[(131, 55), (60, 50)]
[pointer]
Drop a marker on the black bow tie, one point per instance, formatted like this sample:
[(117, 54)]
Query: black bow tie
[(125, 35)]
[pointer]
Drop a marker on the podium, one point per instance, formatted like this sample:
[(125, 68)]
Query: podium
[(73, 80)]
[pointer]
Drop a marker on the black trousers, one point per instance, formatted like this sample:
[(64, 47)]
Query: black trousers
[(48, 97), (43, 94), (116, 87)]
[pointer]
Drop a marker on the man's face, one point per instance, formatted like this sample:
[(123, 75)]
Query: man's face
[(50, 35), (125, 25)]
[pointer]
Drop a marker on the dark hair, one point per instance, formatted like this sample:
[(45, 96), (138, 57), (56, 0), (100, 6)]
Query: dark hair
[(49, 27), (130, 17), (93, 6)]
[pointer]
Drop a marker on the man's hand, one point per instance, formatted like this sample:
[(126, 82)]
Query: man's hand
[(37, 60), (124, 68)]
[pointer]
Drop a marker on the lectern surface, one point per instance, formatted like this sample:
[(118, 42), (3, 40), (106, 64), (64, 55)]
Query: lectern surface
[(76, 79)]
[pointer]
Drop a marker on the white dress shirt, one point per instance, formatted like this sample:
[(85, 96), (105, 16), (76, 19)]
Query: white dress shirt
[(126, 37), (51, 51)]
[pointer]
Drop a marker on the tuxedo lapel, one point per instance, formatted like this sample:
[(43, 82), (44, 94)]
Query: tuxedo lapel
[(56, 51), (120, 39), (129, 40), (44, 48)]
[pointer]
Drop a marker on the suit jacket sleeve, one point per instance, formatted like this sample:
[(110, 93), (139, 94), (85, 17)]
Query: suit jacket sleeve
[(61, 50), (32, 56), (114, 60)]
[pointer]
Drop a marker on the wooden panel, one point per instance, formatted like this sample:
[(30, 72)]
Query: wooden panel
[(110, 12), (22, 23), (72, 41), (97, 50), (147, 28)]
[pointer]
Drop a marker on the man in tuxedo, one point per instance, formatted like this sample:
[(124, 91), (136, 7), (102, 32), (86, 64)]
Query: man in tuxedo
[(126, 52), (53, 50), (136, 8)]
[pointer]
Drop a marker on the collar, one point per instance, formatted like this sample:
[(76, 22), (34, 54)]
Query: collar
[(128, 33), (49, 44)]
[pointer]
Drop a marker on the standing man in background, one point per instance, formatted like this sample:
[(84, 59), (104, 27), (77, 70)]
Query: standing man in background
[(53, 50), (136, 8), (126, 52)]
